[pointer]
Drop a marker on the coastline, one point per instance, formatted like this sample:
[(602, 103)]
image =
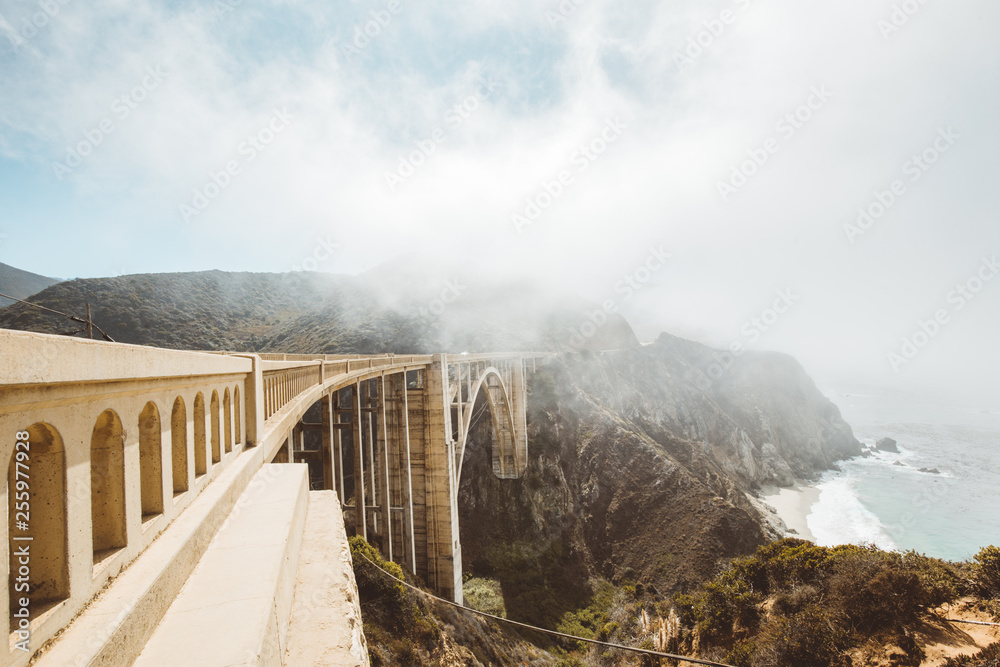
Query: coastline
[(793, 505)]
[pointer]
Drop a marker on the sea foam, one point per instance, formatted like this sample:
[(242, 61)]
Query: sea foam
[(839, 517)]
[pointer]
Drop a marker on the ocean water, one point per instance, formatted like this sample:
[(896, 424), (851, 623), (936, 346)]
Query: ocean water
[(948, 515)]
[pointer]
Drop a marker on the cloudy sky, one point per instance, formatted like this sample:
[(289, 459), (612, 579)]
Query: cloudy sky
[(836, 162)]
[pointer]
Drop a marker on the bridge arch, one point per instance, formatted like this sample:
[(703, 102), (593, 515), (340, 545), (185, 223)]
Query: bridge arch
[(507, 460)]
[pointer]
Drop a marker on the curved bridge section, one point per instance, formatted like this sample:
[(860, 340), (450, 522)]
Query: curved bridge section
[(128, 447), (389, 435)]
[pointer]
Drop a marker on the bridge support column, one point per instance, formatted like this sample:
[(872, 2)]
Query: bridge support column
[(382, 466), (518, 392), (326, 410), (401, 485), (360, 514), (444, 554)]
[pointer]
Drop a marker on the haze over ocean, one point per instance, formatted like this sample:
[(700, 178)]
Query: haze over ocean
[(949, 515)]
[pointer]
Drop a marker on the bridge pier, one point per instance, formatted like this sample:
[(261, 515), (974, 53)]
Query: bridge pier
[(392, 448), (444, 555)]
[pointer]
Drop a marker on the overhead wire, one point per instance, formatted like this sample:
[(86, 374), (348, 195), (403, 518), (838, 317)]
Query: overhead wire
[(66, 315)]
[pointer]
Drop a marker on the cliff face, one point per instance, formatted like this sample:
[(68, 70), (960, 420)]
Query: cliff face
[(638, 470)]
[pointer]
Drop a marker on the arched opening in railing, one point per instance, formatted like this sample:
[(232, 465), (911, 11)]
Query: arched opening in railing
[(200, 464), (150, 462), (238, 416), (107, 486), (227, 414), (216, 435), (178, 446), (36, 520)]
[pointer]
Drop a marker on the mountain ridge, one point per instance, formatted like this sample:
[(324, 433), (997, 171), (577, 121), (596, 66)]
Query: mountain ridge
[(21, 284)]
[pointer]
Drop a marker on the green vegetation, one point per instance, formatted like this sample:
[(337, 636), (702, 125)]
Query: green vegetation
[(536, 588), (986, 569), (396, 626), (795, 603), (484, 595), (591, 621)]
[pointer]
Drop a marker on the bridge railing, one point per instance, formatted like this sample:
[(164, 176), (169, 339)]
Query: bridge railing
[(118, 440), (282, 385), (285, 379)]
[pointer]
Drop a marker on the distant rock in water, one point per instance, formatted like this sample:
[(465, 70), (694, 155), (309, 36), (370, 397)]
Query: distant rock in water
[(887, 445)]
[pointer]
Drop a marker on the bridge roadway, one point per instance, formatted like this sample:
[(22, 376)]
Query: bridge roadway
[(122, 439)]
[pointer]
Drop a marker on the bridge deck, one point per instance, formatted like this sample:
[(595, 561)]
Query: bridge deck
[(234, 608)]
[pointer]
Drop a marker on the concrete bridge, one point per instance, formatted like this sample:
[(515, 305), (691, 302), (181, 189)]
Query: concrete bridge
[(159, 498)]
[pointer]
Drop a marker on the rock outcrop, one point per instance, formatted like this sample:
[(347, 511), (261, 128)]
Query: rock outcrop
[(887, 445), (639, 471)]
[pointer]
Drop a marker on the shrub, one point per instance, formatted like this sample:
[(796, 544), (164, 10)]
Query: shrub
[(807, 638), (742, 654), (484, 595), (725, 601), (607, 631), (790, 562), (874, 591), (986, 571), (941, 581), (383, 598), (788, 604)]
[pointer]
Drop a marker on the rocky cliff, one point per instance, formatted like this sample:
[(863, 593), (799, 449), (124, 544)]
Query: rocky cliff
[(640, 469)]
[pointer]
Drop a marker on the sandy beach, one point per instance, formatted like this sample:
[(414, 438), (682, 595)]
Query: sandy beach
[(793, 505)]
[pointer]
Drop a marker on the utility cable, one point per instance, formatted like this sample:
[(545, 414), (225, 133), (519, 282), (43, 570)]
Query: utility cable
[(500, 619), (958, 620), (66, 315)]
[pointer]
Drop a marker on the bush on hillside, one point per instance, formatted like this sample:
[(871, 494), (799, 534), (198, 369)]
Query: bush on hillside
[(808, 637), (822, 600), (986, 571)]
